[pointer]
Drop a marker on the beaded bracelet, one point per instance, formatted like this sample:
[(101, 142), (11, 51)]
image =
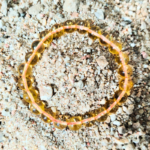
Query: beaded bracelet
[(31, 95)]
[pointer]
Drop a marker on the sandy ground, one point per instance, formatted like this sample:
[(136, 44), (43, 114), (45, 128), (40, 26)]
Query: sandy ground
[(20, 24)]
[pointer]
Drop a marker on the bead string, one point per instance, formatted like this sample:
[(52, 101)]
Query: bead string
[(54, 120)]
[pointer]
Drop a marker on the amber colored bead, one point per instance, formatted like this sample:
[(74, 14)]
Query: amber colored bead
[(35, 44), (103, 43), (98, 111), (88, 23), (129, 85), (49, 40), (21, 68), (125, 57), (34, 60), (45, 119), (29, 83), (114, 51), (34, 93), (81, 23), (86, 116), (114, 109), (59, 125), (129, 71), (40, 104), (26, 97), (123, 99), (69, 23), (96, 29), (75, 119), (58, 34)]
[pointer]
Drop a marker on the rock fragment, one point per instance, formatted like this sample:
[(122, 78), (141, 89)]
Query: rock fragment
[(102, 62)]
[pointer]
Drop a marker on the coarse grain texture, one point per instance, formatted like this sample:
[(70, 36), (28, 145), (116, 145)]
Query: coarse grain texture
[(71, 61)]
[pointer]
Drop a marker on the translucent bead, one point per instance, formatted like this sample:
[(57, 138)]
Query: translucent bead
[(34, 109), (88, 23), (129, 85), (123, 99), (58, 34), (29, 83), (114, 51), (122, 73), (49, 40), (75, 119), (69, 23), (21, 68), (125, 56), (100, 110), (34, 93), (50, 112), (81, 23), (96, 29), (114, 109), (26, 97), (35, 44), (34, 60), (60, 125), (103, 43), (86, 116)]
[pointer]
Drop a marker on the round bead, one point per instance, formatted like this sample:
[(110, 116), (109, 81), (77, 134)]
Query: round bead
[(125, 57), (69, 23), (34, 93), (114, 109), (45, 119), (75, 119), (81, 23), (129, 85), (26, 97), (35, 44), (21, 69), (49, 40), (34, 110), (86, 116), (29, 83), (96, 29), (123, 99), (58, 34), (122, 73), (100, 110), (103, 43), (88, 23), (34, 60), (114, 51)]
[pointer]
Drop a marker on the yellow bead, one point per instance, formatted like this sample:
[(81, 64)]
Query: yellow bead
[(35, 44), (103, 43), (114, 109), (21, 85), (125, 57), (34, 60), (129, 85), (86, 116), (75, 119), (96, 29), (26, 97), (81, 23), (34, 110), (58, 34), (129, 71), (123, 99), (114, 51), (45, 119), (21, 69), (34, 93), (49, 40), (59, 125), (69, 23), (88, 23), (98, 111)]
